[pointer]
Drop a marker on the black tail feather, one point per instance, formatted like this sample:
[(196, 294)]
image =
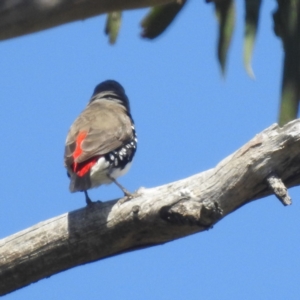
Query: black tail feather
[(79, 183)]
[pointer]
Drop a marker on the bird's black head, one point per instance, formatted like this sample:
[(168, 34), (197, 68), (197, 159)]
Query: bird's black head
[(109, 85), (111, 90)]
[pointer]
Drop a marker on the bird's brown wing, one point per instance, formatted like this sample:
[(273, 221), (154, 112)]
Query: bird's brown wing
[(101, 128)]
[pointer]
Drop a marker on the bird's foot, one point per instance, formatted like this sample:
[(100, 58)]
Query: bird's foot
[(123, 200), (93, 203), (89, 202), (128, 196)]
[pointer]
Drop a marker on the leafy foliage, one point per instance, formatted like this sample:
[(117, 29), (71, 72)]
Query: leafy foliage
[(251, 22), (113, 24), (225, 11), (159, 18), (286, 27)]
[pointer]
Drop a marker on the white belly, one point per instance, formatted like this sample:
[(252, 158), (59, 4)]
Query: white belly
[(118, 172), (101, 169)]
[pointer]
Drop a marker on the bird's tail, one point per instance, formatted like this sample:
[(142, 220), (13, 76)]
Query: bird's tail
[(78, 183)]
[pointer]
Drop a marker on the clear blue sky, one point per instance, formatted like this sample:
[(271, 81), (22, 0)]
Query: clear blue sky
[(187, 118)]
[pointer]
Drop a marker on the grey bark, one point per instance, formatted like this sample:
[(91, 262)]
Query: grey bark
[(19, 17), (154, 216)]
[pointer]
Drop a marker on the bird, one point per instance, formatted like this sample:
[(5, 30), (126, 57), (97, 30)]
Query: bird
[(102, 141)]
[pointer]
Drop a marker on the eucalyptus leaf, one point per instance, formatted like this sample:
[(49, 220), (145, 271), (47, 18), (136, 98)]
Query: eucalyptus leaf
[(252, 8), (113, 24), (225, 11), (159, 18)]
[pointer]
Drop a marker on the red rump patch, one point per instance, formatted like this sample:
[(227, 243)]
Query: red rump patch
[(81, 136), (82, 168)]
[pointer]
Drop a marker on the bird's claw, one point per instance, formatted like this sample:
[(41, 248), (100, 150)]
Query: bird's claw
[(128, 197)]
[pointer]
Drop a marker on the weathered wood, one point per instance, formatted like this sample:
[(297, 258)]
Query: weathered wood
[(154, 216), (279, 189), (19, 17)]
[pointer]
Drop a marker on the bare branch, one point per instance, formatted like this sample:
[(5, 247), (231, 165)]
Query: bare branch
[(19, 17), (155, 216)]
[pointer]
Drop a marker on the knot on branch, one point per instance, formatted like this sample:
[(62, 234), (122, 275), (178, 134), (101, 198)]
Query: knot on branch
[(192, 212), (279, 189)]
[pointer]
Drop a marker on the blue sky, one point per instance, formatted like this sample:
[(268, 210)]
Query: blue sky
[(187, 117)]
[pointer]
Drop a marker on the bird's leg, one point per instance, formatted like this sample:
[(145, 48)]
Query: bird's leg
[(87, 198), (126, 193)]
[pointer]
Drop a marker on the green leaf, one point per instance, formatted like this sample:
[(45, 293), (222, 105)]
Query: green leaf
[(252, 8), (159, 18), (287, 27), (113, 24), (289, 104), (225, 11)]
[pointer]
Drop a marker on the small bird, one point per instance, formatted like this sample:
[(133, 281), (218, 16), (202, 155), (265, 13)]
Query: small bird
[(102, 141)]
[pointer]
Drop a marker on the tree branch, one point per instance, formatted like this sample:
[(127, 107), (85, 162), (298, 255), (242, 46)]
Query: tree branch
[(155, 216), (19, 17)]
